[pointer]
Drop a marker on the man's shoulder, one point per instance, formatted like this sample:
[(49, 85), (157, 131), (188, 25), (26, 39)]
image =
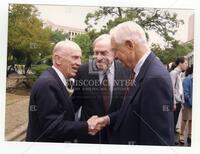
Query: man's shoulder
[(119, 64), (87, 70), (45, 79), (156, 70), (84, 67)]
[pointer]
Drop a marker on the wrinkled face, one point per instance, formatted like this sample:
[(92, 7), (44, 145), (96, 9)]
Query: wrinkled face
[(70, 62), (184, 66), (103, 55), (122, 53)]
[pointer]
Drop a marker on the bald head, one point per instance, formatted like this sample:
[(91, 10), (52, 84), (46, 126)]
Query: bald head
[(129, 43), (128, 31), (65, 47), (67, 57)]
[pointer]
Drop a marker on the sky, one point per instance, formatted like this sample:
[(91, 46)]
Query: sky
[(74, 16)]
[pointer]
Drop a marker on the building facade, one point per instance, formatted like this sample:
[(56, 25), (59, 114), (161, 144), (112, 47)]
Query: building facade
[(71, 31)]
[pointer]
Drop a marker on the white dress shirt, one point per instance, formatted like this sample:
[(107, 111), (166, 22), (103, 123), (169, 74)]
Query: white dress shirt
[(140, 63), (61, 76)]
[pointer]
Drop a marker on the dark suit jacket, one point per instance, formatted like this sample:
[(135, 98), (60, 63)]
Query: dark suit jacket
[(51, 113), (146, 118), (89, 96)]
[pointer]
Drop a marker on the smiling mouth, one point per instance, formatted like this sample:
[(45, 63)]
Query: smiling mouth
[(100, 62), (75, 69)]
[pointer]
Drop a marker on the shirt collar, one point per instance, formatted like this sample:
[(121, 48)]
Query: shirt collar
[(61, 76), (111, 68), (140, 63)]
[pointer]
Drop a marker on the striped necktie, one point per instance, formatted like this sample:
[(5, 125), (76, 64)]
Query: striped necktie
[(130, 82)]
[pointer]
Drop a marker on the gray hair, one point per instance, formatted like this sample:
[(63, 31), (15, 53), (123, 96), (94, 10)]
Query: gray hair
[(101, 37), (128, 31)]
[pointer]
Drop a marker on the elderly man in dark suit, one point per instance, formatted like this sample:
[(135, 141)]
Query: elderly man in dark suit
[(146, 117), (51, 112), (100, 86)]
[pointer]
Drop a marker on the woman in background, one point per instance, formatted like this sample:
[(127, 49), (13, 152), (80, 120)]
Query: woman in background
[(187, 110)]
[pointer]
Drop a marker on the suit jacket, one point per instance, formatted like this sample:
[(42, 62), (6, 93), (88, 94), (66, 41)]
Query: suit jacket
[(51, 113), (89, 97), (146, 118)]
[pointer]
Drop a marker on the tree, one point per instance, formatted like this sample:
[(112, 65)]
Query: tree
[(27, 40), (177, 49), (162, 22), (85, 43), (57, 36)]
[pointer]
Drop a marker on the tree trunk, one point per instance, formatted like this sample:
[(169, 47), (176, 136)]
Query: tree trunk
[(119, 11)]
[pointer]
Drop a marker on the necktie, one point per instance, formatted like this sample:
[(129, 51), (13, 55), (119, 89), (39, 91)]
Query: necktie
[(130, 82), (105, 89), (69, 86)]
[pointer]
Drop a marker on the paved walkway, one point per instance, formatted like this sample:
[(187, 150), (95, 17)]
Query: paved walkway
[(17, 100), (16, 112)]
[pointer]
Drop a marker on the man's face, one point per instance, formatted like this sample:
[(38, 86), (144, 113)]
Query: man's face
[(103, 55), (184, 66), (70, 63), (121, 53)]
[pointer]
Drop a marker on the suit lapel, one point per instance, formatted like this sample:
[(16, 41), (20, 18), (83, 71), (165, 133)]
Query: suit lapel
[(97, 91), (134, 89), (127, 100), (117, 76), (64, 90)]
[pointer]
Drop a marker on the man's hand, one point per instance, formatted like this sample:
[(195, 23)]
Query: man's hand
[(96, 124), (93, 127), (104, 121)]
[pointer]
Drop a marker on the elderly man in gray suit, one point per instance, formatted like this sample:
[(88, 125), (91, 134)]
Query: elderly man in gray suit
[(100, 86)]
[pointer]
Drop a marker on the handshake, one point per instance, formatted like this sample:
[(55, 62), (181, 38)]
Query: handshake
[(95, 124)]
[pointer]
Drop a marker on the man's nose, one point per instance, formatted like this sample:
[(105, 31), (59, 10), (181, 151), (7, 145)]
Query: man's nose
[(79, 62), (99, 57), (116, 57)]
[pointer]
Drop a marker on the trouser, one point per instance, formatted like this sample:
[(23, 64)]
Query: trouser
[(176, 114)]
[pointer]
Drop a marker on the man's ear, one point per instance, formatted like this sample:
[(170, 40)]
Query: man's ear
[(57, 59), (129, 44)]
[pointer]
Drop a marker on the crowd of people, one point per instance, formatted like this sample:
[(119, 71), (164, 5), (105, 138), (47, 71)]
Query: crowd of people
[(125, 94), (182, 80)]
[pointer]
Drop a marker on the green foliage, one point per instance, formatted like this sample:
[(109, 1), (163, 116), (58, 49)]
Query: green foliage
[(57, 36), (38, 69), (27, 40), (85, 43), (162, 22), (46, 60), (177, 49)]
